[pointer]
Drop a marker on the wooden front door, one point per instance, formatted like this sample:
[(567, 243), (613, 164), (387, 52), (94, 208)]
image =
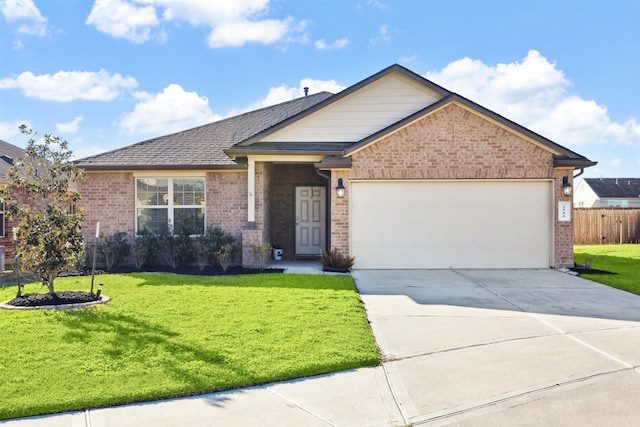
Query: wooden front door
[(310, 220)]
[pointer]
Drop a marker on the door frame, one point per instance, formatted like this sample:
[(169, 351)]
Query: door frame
[(325, 236)]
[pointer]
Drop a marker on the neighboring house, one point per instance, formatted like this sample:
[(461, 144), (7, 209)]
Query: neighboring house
[(395, 170), (607, 193), (8, 153)]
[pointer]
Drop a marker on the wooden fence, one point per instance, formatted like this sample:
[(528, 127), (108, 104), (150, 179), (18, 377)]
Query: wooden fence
[(606, 225)]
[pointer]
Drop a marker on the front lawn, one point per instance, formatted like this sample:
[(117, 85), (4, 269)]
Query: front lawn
[(624, 260), (166, 335)]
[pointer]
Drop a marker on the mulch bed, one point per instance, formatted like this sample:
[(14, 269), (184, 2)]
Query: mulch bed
[(582, 270), (58, 298)]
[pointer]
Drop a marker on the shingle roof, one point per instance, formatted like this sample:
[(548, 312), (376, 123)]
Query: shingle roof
[(623, 188), (8, 153), (200, 147)]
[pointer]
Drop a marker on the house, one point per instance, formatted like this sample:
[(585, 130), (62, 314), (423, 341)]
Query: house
[(607, 193), (394, 170), (8, 153)]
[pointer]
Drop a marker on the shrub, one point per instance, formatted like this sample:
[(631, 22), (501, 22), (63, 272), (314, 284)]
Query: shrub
[(210, 243), (114, 249), (175, 249), (226, 255), (145, 248), (262, 254), (335, 259)]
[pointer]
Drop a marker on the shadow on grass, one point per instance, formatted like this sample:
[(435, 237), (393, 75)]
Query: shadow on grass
[(129, 341), (286, 281)]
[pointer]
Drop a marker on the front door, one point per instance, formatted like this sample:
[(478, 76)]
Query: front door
[(310, 220)]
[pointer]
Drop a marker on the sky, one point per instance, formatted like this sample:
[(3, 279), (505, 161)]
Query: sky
[(104, 74)]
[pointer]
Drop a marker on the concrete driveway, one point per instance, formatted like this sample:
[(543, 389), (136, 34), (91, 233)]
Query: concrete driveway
[(497, 347)]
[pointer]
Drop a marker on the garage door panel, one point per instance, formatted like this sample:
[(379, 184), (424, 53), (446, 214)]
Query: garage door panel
[(427, 224)]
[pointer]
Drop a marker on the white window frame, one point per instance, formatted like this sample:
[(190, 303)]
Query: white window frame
[(170, 206)]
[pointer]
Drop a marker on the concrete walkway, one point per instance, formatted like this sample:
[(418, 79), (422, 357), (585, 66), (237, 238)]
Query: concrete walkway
[(461, 347)]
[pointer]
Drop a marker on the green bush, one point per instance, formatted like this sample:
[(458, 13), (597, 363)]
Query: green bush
[(145, 249), (212, 241), (114, 249)]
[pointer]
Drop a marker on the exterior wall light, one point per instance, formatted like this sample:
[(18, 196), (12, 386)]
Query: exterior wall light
[(340, 188), (566, 187)]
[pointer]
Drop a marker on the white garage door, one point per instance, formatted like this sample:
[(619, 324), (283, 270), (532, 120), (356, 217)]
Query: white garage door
[(451, 224)]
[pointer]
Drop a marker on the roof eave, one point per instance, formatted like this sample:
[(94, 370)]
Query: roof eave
[(238, 152), (568, 162), (110, 168)]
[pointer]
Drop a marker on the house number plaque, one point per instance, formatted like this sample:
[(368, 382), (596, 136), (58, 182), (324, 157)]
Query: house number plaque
[(564, 211)]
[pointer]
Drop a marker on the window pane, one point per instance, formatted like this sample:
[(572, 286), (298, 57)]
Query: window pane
[(152, 191), (188, 191), (190, 218), (153, 220), (2, 224)]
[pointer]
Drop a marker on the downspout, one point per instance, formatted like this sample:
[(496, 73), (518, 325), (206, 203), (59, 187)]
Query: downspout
[(581, 172)]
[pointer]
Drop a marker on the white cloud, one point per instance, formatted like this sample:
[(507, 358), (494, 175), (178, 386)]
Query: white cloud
[(70, 127), (9, 130), (123, 20), (535, 94), (237, 33), (167, 112), (231, 23), (338, 44), (615, 162), (408, 59), (27, 15), (284, 93), (383, 36), (65, 86)]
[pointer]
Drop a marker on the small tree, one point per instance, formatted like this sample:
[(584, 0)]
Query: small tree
[(48, 233)]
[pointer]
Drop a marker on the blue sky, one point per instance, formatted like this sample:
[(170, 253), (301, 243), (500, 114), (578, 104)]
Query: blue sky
[(107, 73)]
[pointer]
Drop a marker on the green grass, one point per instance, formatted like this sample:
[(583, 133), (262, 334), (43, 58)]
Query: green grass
[(624, 260), (168, 335)]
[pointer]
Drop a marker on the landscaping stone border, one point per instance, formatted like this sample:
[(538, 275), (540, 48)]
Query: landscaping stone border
[(103, 299)]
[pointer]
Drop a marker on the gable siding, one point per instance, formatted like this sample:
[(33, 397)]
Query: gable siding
[(363, 113), (453, 143)]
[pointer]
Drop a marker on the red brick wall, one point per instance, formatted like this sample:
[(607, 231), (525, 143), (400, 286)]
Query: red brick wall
[(452, 143), (108, 197), (21, 198)]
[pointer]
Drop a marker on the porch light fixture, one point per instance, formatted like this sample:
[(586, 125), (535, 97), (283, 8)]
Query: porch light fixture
[(566, 187), (340, 188)]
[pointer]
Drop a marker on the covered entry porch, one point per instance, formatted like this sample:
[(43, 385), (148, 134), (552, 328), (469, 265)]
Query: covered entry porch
[(288, 206)]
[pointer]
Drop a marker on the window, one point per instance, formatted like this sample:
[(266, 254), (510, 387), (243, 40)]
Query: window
[(164, 201), (2, 220), (617, 203)]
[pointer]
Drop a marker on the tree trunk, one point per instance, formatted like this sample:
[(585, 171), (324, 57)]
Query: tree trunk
[(50, 280)]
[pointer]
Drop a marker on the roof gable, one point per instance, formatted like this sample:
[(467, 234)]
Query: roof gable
[(619, 188), (360, 110), (562, 154)]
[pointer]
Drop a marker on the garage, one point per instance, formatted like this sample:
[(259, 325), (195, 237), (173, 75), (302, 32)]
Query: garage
[(451, 224)]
